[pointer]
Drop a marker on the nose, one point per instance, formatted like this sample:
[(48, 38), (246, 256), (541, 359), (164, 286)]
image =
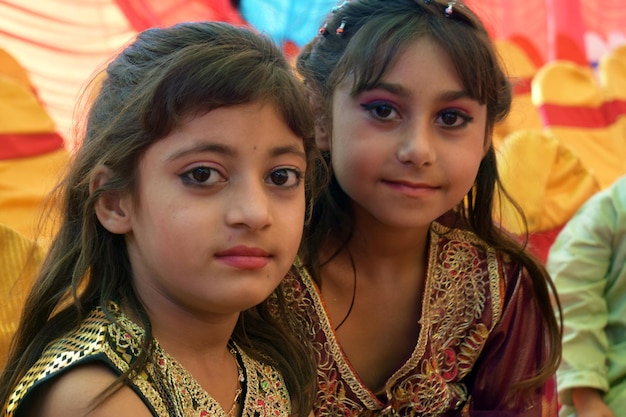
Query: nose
[(249, 206), (416, 146)]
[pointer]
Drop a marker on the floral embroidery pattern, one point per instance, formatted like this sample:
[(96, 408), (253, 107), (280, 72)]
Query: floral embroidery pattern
[(461, 304)]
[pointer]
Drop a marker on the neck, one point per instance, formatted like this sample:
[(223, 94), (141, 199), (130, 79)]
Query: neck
[(197, 341), (186, 333), (375, 245)]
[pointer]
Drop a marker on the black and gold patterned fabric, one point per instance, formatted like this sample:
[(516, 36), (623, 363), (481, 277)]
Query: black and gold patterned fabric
[(166, 388)]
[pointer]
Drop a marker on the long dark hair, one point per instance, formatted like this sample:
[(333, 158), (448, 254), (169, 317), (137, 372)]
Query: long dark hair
[(374, 33), (159, 80)]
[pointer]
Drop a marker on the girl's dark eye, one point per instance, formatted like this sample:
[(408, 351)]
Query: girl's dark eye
[(381, 110), (285, 177), (280, 177), (453, 118), (202, 175), (449, 118)]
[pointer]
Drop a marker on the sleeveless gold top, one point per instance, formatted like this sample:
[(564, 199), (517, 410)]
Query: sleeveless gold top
[(166, 388)]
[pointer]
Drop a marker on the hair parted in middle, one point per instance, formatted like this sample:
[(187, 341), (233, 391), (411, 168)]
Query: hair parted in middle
[(374, 33), (162, 79)]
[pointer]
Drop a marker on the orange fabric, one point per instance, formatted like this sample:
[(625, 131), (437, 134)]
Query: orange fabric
[(25, 184), (582, 148), (521, 69), (20, 259), (20, 110), (528, 46), (32, 154), (10, 67), (612, 73), (545, 178), (612, 76), (582, 116)]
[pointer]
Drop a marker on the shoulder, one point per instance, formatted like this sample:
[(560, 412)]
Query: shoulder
[(462, 266), (616, 192), (599, 224), (76, 391), (298, 281), (91, 346), (605, 207), (461, 245), (457, 252), (301, 294)]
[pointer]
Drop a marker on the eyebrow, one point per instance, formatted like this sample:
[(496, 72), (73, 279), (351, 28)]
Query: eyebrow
[(289, 149), (400, 90), (202, 147), (396, 89), (228, 151), (456, 95)]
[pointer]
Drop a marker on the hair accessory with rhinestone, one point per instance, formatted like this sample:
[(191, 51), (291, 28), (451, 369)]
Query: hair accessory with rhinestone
[(449, 10), (340, 6)]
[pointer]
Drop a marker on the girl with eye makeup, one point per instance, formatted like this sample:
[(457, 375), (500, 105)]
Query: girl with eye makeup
[(416, 301)]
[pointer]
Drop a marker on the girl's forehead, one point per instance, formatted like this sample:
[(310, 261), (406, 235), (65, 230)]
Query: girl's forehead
[(414, 56)]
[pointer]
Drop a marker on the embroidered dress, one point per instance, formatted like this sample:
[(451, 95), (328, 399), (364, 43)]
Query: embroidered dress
[(166, 388), (479, 334)]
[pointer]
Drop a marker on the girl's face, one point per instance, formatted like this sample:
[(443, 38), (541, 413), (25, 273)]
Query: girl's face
[(408, 150), (219, 211)]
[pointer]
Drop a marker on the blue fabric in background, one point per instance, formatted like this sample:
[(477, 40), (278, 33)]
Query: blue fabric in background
[(297, 21)]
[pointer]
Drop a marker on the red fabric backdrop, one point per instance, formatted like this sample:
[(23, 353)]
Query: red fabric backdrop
[(61, 43)]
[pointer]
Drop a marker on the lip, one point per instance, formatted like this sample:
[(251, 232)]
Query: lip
[(412, 189), (244, 257)]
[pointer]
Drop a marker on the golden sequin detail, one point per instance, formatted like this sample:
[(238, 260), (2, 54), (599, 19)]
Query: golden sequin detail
[(462, 303), (168, 388)]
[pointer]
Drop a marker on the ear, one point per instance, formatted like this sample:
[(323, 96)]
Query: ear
[(113, 208), (488, 141), (322, 138)]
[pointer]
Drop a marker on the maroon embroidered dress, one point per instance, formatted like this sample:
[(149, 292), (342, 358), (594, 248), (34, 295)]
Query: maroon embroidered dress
[(480, 333)]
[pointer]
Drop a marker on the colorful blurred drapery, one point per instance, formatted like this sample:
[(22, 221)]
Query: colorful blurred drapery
[(63, 42), (50, 48)]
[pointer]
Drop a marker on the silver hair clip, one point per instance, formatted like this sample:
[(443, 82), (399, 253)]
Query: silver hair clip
[(449, 10)]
